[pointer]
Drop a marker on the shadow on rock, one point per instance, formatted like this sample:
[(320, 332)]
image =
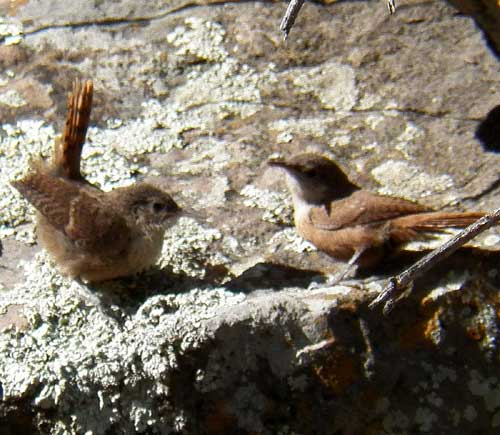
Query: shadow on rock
[(488, 131), (274, 276), (466, 258), (128, 294)]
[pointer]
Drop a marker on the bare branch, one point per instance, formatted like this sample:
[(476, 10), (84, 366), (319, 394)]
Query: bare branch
[(293, 9), (400, 285), (290, 15), (391, 5)]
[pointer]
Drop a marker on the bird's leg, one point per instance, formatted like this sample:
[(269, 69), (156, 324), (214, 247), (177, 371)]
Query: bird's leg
[(348, 268), (337, 278)]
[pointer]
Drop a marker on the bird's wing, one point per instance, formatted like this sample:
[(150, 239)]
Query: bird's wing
[(76, 211), (362, 208), (95, 227), (50, 195)]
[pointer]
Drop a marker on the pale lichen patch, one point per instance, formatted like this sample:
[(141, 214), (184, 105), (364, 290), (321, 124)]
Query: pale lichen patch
[(11, 31), (142, 135), (291, 241), (19, 144), (72, 345), (409, 137), (228, 85), (314, 127), (107, 168), (12, 98), (340, 139), (186, 248), (374, 120), (276, 205), (333, 84), (400, 178), (199, 37)]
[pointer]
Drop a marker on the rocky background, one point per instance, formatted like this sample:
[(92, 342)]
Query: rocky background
[(224, 335)]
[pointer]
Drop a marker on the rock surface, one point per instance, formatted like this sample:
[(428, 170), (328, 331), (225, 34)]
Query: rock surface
[(223, 336)]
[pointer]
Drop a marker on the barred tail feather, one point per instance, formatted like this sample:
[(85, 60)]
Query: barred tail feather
[(68, 148)]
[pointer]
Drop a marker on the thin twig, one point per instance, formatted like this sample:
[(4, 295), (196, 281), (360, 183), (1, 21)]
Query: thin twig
[(399, 284), (391, 5), (290, 16), (293, 9)]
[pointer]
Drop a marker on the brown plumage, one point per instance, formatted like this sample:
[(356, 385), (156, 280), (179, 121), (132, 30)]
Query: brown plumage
[(349, 223), (91, 234)]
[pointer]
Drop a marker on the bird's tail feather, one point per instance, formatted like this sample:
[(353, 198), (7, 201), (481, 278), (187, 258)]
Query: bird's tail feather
[(68, 148), (421, 226)]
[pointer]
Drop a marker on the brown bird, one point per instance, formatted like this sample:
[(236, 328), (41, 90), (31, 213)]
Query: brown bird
[(91, 234), (352, 224)]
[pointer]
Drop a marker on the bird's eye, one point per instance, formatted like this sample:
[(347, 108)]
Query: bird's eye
[(157, 207), (312, 173)]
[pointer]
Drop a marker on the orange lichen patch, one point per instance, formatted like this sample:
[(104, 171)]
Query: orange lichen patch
[(422, 332), (476, 332), (350, 306), (427, 304), (337, 371), (493, 296), (219, 420)]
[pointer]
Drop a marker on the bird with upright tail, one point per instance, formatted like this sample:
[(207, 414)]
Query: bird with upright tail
[(93, 235)]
